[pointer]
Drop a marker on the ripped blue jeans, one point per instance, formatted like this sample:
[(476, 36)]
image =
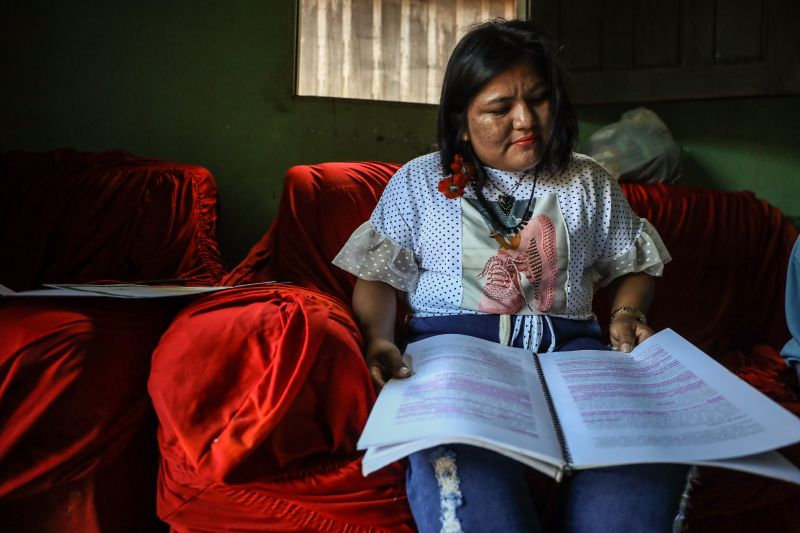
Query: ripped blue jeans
[(459, 488)]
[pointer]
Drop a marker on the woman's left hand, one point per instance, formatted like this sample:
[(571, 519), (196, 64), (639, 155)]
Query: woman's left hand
[(631, 297), (627, 332)]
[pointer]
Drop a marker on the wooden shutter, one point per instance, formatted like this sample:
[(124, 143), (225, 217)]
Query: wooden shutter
[(639, 50)]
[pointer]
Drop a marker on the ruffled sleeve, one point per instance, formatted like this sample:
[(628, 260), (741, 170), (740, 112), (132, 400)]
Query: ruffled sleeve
[(648, 254), (372, 256)]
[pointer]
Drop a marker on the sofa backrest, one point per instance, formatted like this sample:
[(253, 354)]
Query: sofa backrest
[(723, 290), (68, 216), (320, 207)]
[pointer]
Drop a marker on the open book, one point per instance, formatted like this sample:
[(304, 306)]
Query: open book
[(665, 402)]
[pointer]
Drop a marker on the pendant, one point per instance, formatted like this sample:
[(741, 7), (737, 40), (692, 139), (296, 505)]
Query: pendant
[(508, 243), (505, 202)]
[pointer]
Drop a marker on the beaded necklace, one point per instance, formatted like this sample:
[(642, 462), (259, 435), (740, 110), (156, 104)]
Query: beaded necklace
[(505, 201), (496, 218)]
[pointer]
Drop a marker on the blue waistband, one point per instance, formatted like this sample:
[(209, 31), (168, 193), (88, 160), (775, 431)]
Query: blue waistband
[(569, 334)]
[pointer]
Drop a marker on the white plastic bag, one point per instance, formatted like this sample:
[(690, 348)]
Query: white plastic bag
[(638, 148)]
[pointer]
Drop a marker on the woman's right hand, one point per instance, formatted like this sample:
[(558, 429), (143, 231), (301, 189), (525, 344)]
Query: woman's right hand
[(384, 362), (375, 305)]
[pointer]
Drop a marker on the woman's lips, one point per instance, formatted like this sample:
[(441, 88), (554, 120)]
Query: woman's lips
[(525, 141)]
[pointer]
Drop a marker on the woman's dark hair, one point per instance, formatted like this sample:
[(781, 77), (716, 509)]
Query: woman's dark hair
[(484, 52)]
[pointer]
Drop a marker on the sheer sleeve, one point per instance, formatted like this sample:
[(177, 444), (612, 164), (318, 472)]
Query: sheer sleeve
[(382, 248), (648, 254), (372, 256), (402, 242)]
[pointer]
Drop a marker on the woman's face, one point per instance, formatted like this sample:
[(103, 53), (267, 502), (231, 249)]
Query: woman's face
[(508, 119)]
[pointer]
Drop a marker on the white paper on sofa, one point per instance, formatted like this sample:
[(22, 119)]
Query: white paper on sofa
[(121, 290)]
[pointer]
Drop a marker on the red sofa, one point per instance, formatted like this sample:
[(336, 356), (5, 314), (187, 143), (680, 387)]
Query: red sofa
[(77, 431), (261, 392)]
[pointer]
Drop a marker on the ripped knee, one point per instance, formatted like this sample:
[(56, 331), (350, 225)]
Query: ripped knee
[(446, 470)]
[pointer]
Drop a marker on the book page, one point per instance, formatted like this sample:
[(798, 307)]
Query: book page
[(770, 464), (379, 456), (465, 389), (666, 401)]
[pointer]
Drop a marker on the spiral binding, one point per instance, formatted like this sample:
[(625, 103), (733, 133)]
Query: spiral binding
[(567, 468)]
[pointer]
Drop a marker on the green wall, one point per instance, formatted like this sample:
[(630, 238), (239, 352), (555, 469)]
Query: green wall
[(210, 83), (733, 144)]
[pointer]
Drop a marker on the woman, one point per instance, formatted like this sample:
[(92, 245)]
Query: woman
[(504, 234)]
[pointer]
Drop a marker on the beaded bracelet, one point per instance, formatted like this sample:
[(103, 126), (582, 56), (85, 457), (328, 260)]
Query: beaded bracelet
[(637, 313)]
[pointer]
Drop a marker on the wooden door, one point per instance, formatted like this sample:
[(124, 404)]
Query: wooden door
[(641, 50)]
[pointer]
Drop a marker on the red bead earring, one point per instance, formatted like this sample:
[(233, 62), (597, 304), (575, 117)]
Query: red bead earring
[(453, 186)]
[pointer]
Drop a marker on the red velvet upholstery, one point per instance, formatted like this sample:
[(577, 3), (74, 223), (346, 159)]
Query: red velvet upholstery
[(261, 394), (289, 465), (77, 430), (320, 207), (68, 216), (75, 445), (724, 289)]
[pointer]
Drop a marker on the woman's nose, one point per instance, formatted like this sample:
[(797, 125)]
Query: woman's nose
[(523, 116)]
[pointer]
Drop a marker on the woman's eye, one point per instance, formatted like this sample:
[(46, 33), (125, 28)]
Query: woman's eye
[(498, 112)]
